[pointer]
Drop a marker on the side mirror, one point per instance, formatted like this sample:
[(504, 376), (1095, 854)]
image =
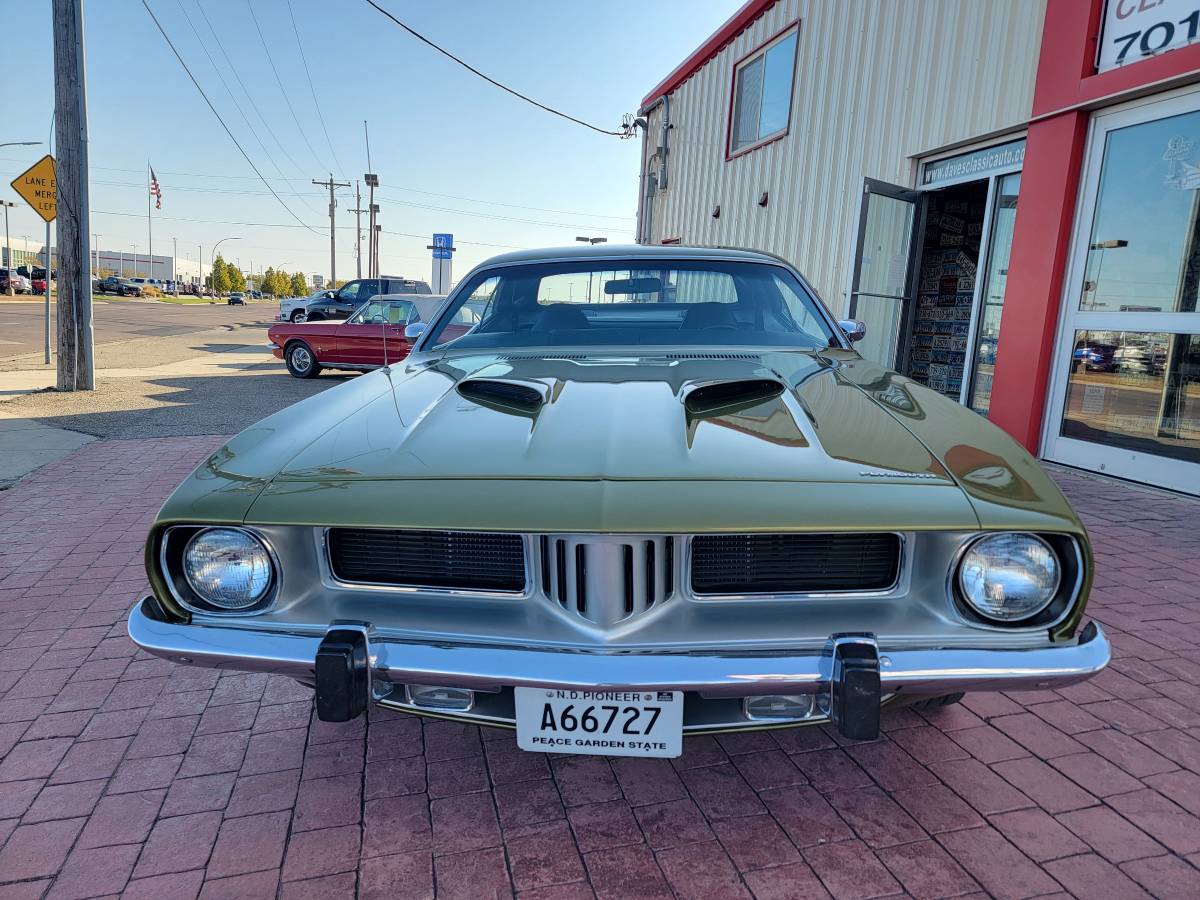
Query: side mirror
[(413, 331), (854, 329)]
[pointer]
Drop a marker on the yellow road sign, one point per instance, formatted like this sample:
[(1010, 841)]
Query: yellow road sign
[(38, 187)]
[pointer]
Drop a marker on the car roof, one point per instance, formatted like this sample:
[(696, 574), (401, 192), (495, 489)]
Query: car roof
[(629, 251)]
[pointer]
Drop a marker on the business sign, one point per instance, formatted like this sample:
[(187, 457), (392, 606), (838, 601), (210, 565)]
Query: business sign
[(973, 165), (1134, 29), (39, 188), (443, 245)]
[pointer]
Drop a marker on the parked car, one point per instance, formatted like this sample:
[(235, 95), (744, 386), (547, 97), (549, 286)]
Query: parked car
[(1094, 357), (610, 523), (372, 337), (120, 286), (353, 294), (10, 278), (236, 299)]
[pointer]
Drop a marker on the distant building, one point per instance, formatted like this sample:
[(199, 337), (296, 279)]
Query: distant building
[(130, 264), (24, 252)]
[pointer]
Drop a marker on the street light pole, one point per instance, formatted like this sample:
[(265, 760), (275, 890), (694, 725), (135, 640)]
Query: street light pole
[(211, 268)]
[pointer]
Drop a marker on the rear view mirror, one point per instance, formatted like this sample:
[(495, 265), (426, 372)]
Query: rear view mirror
[(633, 286)]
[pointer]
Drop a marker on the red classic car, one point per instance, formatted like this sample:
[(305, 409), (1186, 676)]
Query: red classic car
[(357, 343)]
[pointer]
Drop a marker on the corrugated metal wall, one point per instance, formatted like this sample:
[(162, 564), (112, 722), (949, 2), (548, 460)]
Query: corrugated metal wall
[(877, 83)]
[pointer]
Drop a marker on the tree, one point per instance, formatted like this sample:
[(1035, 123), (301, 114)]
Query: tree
[(299, 286), (280, 283), (237, 281), (220, 281), (267, 285)]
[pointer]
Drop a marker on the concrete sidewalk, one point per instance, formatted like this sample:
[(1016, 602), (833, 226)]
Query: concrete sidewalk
[(27, 443), (124, 775), (43, 378)]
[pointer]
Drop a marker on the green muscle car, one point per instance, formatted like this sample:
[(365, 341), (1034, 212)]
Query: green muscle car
[(615, 496)]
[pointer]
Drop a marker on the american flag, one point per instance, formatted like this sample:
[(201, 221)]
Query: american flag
[(155, 190)]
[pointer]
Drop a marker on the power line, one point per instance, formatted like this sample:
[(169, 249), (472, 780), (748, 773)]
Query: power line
[(420, 237), (446, 209), (249, 96), (312, 90), (222, 121), (187, 17), (286, 99), (504, 87), (565, 212)]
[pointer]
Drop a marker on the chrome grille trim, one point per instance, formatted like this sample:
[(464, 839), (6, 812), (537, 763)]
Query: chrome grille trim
[(606, 579)]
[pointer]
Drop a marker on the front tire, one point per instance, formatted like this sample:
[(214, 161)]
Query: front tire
[(301, 361), (299, 316)]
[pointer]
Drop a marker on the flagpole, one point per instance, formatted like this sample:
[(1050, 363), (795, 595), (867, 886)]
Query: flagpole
[(149, 220)]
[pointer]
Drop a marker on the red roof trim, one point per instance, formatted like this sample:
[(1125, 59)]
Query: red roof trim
[(737, 23)]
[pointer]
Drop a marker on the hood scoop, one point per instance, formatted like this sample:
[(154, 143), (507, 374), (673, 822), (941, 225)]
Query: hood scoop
[(508, 395), (723, 397)]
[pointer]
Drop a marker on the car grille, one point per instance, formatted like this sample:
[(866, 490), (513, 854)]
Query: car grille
[(794, 563), (606, 579), (450, 560)]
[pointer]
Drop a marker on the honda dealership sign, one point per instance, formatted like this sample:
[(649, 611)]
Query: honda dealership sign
[(1134, 29)]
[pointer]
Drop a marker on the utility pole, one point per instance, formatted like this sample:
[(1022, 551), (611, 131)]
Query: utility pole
[(76, 370), (373, 209), (8, 260), (358, 211), (332, 185), (375, 261)]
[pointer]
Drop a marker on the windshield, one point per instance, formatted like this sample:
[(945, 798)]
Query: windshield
[(632, 303), (382, 312)]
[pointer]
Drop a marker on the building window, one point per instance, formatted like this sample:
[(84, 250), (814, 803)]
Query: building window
[(762, 93)]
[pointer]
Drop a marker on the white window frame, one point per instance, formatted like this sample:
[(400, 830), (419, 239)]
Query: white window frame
[(760, 52), (1174, 474)]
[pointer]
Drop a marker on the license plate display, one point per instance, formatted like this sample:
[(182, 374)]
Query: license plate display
[(607, 723)]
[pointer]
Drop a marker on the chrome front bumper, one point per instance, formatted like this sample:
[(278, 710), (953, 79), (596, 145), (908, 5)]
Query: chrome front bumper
[(709, 674)]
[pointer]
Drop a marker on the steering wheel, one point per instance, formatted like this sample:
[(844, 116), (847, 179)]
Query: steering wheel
[(378, 320)]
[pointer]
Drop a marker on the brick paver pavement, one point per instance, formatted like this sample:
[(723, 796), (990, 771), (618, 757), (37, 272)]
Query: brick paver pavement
[(122, 774)]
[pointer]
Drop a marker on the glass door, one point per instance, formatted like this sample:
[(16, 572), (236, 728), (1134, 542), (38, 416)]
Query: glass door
[(882, 284), (986, 331), (1126, 390)]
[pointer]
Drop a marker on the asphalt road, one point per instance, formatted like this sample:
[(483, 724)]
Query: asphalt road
[(120, 322), (162, 370)]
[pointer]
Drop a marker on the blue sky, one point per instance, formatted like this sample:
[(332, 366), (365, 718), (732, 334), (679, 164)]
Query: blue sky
[(440, 137)]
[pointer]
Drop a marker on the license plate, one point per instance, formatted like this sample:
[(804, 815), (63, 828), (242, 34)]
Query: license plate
[(607, 723)]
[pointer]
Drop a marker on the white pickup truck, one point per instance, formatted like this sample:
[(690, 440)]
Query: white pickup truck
[(295, 309)]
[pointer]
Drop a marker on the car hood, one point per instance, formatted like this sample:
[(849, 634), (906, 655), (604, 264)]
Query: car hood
[(622, 418), (790, 440)]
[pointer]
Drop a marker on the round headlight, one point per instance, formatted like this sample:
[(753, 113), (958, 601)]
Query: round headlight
[(1009, 577), (227, 568)]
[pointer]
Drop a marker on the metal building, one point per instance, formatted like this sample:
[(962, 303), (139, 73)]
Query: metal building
[(1007, 193)]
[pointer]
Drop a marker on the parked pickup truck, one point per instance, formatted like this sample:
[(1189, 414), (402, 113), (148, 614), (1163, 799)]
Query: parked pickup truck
[(294, 309), (341, 303)]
